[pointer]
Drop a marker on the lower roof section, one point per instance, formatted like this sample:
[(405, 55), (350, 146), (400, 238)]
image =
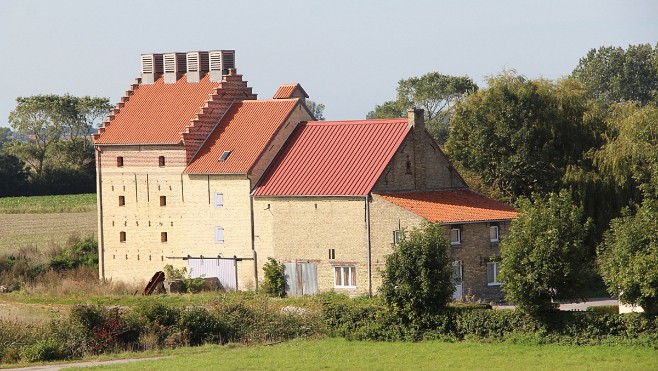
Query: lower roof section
[(452, 206)]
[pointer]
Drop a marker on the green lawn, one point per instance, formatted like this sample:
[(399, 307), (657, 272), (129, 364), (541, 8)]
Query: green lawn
[(342, 354), (48, 204)]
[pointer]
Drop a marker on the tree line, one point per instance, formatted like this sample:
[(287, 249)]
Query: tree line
[(55, 154), (577, 156)]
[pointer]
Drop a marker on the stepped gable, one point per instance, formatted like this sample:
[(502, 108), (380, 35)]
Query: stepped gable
[(334, 158), (245, 131), (452, 206)]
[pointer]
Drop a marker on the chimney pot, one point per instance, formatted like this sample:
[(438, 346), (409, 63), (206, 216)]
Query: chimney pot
[(416, 117)]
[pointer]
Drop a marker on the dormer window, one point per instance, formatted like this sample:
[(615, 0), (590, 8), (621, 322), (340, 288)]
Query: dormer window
[(224, 156)]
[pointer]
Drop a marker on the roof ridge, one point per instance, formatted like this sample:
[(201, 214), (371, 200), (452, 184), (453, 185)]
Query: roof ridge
[(356, 122)]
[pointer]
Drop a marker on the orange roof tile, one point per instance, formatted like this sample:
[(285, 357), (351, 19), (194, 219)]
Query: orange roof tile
[(245, 130), (333, 158), (286, 91), (452, 206), (157, 113)]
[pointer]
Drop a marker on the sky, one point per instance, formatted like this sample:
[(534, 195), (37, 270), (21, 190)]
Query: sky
[(348, 55)]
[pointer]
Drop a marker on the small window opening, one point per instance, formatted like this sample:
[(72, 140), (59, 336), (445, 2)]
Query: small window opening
[(122, 236), (397, 237), (455, 236), (122, 200), (161, 161), (219, 200), (494, 233), (163, 236), (224, 156), (120, 161), (163, 200), (332, 253)]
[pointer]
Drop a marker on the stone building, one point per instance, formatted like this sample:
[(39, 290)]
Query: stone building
[(193, 170)]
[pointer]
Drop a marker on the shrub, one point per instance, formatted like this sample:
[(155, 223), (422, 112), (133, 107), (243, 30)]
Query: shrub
[(190, 284), (417, 280), (275, 282), (81, 253), (199, 327), (43, 350)]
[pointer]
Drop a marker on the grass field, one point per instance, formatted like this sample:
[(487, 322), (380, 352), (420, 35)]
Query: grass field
[(48, 204), (44, 230), (340, 354)]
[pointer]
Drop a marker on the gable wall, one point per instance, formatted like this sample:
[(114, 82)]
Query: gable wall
[(418, 165)]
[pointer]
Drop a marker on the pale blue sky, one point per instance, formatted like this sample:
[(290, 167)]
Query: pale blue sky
[(348, 55)]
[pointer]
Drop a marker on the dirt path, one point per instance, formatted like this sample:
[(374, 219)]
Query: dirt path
[(81, 364)]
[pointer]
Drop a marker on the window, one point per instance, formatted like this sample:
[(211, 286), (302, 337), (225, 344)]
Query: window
[(224, 156), (397, 237), (494, 233), (161, 161), (120, 161), (122, 236), (332, 253), (163, 236), (345, 276), (492, 273), (219, 200), (163, 200), (455, 236), (219, 235), (122, 200)]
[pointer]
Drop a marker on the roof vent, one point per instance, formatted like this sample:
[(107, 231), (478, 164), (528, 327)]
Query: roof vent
[(174, 67), (151, 67), (224, 156), (197, 65), (220, 62)]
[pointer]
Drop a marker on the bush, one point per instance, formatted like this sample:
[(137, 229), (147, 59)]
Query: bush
[(199, 327), (417, 280), (190, 284), (275, 282), (79, 254), (43, 350)]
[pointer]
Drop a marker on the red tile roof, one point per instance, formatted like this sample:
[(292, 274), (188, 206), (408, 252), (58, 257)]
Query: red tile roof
[(333, 158), (245, 130), (157, 113), (452, 206), (286, 91)]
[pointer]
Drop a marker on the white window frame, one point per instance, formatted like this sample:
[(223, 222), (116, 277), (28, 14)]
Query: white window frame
[(219, 235), (497, 229), (219, 200), (459, 236), (494, 268), (339, 279), (397, 237)]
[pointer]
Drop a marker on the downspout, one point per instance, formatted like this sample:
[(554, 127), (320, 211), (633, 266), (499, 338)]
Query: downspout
[(369, 247), (253, 238), (99, 202)]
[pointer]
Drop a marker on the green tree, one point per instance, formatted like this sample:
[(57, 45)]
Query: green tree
[(520, 135), (435, 93), (628, 257), (544, 256), (275, 282), (5, 136), (613, 74), (417, 279), (41, 118), (13, 177), (317, 109)]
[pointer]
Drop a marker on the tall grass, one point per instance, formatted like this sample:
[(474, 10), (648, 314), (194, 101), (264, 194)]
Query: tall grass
[(48, 204)]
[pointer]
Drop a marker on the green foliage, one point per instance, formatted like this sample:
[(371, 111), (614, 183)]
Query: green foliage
[(544, 256), (613, 74), (520, 135), (42, 351), (317, 109), (628, 257), (417, 279), (13, 175), (190, 284), (199, 327), (48, 204), (81, 253), (275, 281), (433, 92)]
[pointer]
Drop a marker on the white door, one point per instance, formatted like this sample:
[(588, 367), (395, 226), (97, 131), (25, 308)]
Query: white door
[(458, 279)]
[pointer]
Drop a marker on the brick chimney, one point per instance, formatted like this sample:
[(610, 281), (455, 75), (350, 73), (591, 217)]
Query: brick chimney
[(416, 118)]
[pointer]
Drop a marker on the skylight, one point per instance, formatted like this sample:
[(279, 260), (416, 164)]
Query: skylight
[(224, 156)]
